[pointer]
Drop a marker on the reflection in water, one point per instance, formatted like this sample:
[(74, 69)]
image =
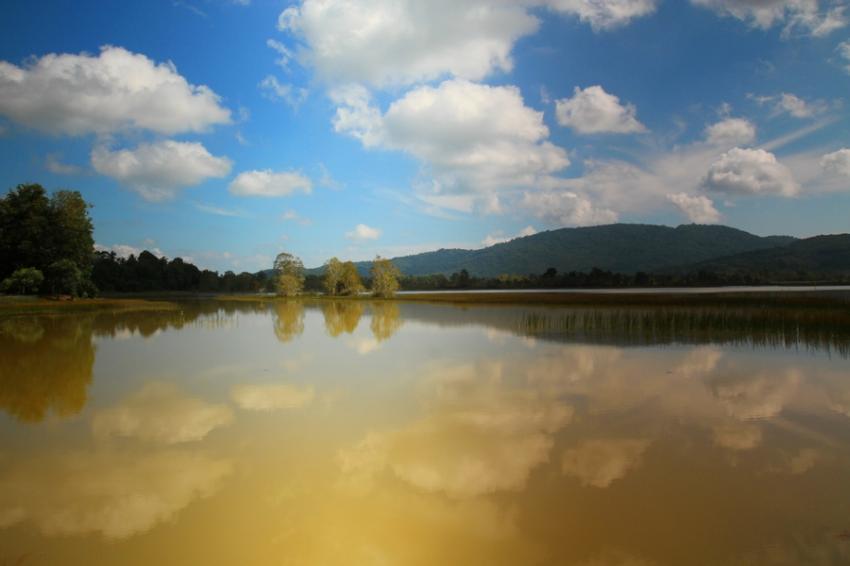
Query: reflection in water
[(342, 316), (461, 443), (288, 319), (46, 366), (386, 319), (161, 413), (114, 493)]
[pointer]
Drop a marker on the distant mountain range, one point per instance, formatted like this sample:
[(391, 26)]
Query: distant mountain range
[(626, 248)]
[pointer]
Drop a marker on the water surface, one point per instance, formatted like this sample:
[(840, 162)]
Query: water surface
[(405, 433)]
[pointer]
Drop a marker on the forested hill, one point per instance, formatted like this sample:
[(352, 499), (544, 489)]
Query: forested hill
[(828, 256), (622, 248)]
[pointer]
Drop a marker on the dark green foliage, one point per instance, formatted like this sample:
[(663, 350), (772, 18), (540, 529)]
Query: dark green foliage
[(622, 248), (24, 281), (64, 278), (38, 231), (150, 274)]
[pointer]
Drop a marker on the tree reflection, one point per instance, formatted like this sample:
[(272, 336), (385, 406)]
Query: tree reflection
[(386, 320), (342, 316), (288, 320), (47, 366)]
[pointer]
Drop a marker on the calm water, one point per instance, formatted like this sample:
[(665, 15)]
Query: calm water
[(385, 433)]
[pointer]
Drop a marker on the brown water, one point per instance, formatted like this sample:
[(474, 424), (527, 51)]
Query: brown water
[(385, 433)]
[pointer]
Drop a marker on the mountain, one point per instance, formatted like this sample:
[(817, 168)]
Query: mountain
[(623, 248), (820, 255)]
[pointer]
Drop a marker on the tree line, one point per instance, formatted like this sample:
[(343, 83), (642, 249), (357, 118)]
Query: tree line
[(339, 279)]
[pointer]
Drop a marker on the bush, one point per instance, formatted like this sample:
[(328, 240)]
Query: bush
[(64, 278), (24, 281)]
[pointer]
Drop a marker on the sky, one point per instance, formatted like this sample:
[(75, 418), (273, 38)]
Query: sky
[(227, 131)]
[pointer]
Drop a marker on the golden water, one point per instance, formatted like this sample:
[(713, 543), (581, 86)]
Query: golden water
[(384, 433)]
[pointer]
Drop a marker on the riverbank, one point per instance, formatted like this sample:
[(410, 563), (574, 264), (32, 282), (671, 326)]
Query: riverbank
[(828, 298)]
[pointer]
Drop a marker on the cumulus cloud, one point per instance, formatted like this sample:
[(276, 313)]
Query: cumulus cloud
[(271, 397), (698, 209), (114, 91), (750, 172), (362, 233), (267, 183), (797, 16), (285, 54), (565, 208), (837, 162), (604, 14), (161, 413), (594, 111), (384, 42), (472, 138), (157, 171), (730, 132), (289, 94)]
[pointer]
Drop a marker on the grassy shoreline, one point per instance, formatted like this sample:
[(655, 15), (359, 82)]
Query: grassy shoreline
[(163, 301)]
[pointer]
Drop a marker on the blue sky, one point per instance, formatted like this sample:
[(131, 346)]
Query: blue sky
[(227, 131)]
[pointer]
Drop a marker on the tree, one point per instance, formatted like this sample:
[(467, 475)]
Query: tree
[(350, 280), (384, 277), (289, 273), (64, 278), (333, 275), (24, 281)]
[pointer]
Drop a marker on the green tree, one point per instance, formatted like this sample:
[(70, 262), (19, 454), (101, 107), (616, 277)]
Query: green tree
[(24, 281), (333, 275), (350, 280), (64, 278), (385, 277), (289, 273)]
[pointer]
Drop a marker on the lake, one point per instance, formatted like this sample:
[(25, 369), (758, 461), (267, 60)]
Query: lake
[(357, 432)]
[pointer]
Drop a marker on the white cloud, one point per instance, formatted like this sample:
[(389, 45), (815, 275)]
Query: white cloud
[(158, 170), (289, 94), (385, 42), (161, 413), (125, 251), (793, 105), (267, 183), (604, 14), (731, 132), (803, 15), (498, 238), (285, 54), (362, 233), (471, 138), (837, 162), (750, 172), (54, 164), (114, 91), (844, 52), (565, 208), (698, 209), (594, 111), (271, 397)]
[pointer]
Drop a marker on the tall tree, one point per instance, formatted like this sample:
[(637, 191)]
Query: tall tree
[(333, 275), (289, 273), (384, 277), (350, 280)]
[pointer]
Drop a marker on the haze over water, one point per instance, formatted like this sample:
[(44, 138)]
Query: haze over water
[(244, 432)]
